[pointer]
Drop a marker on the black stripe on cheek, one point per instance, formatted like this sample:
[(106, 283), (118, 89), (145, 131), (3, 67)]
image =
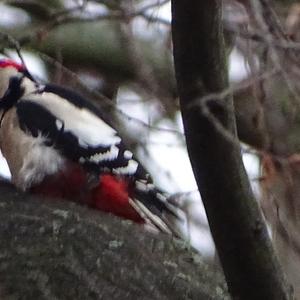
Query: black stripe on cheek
[(13, 93)]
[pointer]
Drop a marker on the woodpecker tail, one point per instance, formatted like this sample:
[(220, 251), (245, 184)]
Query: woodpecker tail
[(156, 209), (142, 204)]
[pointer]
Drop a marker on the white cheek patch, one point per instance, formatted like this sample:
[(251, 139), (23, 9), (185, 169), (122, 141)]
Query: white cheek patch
[(130, 169)]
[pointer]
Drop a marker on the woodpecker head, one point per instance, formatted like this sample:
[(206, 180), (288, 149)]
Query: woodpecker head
[(15, 82), (9, 69)]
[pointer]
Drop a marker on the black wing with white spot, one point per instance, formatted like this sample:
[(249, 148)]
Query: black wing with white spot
[(78, 140)]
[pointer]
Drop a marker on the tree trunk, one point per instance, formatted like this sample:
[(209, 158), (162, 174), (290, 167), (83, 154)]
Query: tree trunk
[(245, 251)]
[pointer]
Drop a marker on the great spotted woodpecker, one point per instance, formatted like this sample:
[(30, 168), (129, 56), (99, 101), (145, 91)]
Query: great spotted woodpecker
[(56, 144)]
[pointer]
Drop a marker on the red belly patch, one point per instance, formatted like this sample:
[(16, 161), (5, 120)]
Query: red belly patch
[(111, 194)]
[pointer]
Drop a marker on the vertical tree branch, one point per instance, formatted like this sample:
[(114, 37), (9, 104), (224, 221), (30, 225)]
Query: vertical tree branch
[(241, 238)]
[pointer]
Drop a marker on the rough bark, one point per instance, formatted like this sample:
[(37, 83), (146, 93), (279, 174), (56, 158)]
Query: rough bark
[(53, 249), (245, 251)]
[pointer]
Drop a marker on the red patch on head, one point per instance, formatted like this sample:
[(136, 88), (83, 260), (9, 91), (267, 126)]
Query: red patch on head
[(5, 63)]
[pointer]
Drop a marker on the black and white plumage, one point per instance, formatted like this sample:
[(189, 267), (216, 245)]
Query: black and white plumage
[(54, 124), (70, 124)]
